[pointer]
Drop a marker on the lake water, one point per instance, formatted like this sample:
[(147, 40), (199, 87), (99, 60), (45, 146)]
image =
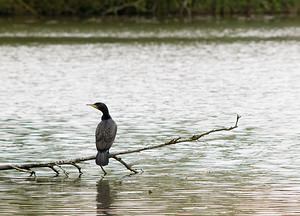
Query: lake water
[(159, 81)]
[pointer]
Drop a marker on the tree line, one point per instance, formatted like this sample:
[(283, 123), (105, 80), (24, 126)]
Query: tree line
[(147, 8)]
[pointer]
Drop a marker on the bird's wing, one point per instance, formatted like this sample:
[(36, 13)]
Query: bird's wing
[(105, 134)]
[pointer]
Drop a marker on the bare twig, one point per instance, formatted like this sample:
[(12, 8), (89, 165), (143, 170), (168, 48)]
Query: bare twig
[(78, 167), (32, 173), (27, 166), (55, 170), (124, 163), (180, 140), (65, 172), (27, 7)]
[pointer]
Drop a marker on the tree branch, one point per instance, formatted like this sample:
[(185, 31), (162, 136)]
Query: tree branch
[(78, 167), (180, 139), (32, 173), (55, 170), (60, 167), (27, 166), (123, 162)]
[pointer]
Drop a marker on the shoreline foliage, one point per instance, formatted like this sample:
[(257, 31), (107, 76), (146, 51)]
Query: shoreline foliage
[(147, 8)]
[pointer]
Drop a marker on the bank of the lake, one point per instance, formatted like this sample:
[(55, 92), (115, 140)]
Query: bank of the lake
[(148, 8), (93, 31)]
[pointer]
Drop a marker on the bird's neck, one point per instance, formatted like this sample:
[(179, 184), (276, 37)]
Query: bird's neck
[(105, 116)]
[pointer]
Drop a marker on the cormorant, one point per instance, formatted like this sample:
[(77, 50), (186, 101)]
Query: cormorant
[(105, 134)]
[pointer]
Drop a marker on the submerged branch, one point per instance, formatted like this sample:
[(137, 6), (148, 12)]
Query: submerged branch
[(28, 166)]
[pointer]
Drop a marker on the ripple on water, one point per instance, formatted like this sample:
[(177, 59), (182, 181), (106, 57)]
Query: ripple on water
[(154, 91)]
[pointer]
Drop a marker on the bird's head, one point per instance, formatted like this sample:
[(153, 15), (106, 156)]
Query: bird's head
[(100, 106)]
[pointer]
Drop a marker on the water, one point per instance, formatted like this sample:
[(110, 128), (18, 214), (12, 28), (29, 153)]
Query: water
[(156, 88)]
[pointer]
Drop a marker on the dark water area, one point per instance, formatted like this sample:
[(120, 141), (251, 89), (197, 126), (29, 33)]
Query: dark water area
[(159, 81)]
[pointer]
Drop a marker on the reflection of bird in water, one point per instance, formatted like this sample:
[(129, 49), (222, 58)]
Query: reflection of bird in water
[(104, 198), (105, 135)]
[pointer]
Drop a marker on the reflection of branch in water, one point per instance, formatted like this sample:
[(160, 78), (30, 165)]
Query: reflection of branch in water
[(104, 198)]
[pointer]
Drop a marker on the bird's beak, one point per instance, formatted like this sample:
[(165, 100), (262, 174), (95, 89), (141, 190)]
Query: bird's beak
[(92, 105)]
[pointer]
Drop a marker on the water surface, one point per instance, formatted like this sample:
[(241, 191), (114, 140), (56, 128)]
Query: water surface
[(156, 89)]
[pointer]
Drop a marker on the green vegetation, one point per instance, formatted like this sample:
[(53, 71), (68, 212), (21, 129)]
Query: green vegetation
[(147, 8)]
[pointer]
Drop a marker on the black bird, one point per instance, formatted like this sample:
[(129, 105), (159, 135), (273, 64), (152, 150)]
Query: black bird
[(105, 134)]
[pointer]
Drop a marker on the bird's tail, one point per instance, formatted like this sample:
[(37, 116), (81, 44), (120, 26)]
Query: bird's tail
[(102, 158)]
